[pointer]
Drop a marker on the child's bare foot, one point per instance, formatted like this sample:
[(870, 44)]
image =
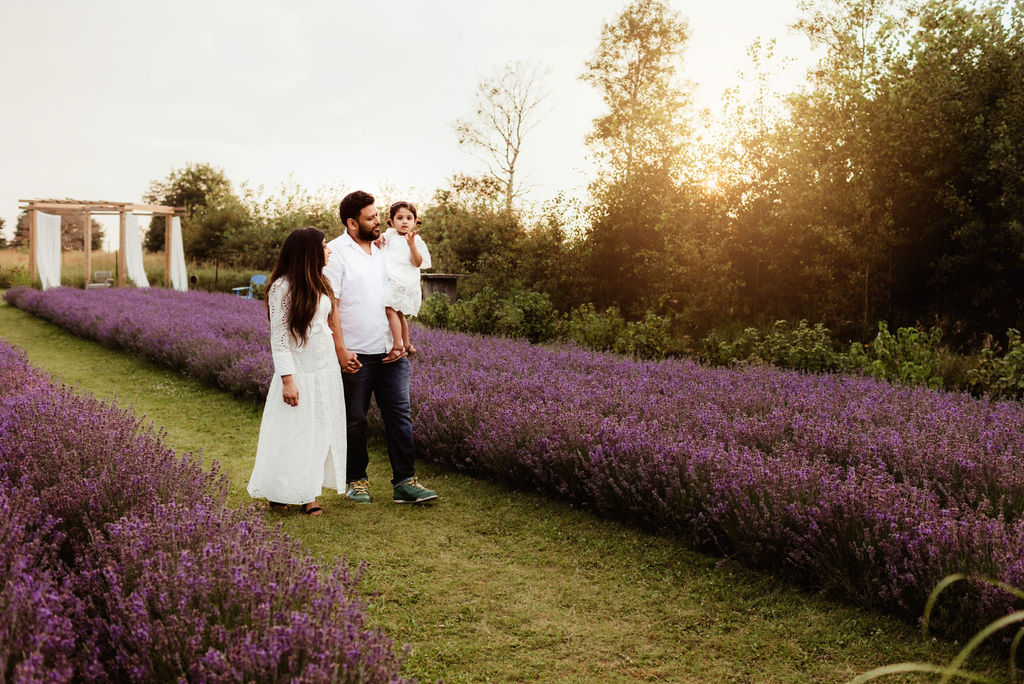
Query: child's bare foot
[(396, 353), (410, 350)]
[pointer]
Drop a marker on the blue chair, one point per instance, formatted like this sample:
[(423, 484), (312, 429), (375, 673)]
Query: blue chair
[(249, 291)]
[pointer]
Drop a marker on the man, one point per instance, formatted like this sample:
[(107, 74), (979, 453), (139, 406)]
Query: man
[(356, 272)]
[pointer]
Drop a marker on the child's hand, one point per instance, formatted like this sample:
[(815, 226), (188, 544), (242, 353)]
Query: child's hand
[(379, 242), (411, 235)]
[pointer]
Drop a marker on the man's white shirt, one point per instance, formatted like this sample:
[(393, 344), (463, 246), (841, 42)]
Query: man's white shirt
[(359, 281)]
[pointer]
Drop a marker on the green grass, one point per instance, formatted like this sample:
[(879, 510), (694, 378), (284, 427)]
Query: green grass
[(495, 585)]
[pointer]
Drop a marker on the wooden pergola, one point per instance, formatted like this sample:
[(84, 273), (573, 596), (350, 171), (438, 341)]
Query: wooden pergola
[(87, 209)]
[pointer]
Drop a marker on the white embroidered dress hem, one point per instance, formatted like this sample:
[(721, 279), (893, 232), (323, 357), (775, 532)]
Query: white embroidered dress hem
[(301, 449)]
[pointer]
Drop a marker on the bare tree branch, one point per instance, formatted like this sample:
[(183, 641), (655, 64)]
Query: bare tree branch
[(507, 107)]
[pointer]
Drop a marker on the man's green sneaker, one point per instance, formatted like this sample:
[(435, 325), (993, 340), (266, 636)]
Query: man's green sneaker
[(358, 491), (411, 491)]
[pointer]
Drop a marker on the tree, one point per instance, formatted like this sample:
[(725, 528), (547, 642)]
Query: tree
[(3, 238), (641, 142), (637, 69), (72, 233), (192, 187), (507, 107)]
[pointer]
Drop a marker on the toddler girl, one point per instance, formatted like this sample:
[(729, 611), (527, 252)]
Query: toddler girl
[(405, 254)]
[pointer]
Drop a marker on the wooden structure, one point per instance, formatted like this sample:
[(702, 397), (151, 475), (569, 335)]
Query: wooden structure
[(87, 209), (440, 282)]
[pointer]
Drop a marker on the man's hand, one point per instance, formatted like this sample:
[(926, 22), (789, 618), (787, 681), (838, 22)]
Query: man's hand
[(349, 361), (290, 393)]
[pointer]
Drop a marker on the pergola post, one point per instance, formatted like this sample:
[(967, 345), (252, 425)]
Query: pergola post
[(122, 259), (167, 249), (32, 237), (87, 245)]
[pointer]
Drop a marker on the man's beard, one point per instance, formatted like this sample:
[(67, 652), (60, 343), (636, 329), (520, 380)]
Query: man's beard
[(368, 234)]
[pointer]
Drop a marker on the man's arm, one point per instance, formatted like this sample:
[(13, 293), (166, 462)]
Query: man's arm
[(348, 359)]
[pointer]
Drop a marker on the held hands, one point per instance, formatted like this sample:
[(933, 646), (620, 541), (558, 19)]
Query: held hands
[(349, 361), (290, 392)]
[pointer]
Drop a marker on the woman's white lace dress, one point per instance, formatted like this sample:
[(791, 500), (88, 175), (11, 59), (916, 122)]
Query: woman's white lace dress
[(403, 293), (301, 448)]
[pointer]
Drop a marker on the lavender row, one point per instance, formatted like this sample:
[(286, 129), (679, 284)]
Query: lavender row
[(848, 484), (860, 488), (122, 563), (213, 337)]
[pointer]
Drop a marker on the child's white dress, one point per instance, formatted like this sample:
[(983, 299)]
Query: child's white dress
[(403, 293), (301, 449)]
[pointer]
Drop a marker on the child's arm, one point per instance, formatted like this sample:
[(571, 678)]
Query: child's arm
[(414, 253), (424, 252)]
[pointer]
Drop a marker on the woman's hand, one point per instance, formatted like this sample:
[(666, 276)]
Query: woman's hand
[(290, 393), (349, 360)]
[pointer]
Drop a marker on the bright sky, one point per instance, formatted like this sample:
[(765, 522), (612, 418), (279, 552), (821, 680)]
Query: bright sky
[(102, 97)]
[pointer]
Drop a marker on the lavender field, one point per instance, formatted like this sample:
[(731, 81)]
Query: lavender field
[(859, 489), (123, 563)]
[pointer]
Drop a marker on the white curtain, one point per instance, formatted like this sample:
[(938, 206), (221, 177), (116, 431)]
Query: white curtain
[(47, 249), (179, 277), (134, 268)]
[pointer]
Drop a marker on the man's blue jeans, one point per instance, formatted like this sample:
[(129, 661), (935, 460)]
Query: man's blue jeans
[(389, 385)]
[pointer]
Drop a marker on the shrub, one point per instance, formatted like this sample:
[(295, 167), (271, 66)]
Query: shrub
[(1000, 376), (649, 338), (527, 314), (588, 328), (478, 314), (435, 311), (911, 356), (804, 348)]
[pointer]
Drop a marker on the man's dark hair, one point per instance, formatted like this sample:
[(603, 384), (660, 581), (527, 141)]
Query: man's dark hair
[(353, 204)]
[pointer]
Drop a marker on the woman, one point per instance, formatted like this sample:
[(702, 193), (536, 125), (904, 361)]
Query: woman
[(302, 444)]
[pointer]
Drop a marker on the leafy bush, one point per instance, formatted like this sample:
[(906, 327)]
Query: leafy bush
[(435, 311), (478, 314), (911, 356), (520, 313), (528, 314), (650, 338), (1000, 376), (805, 348), (593, 330)]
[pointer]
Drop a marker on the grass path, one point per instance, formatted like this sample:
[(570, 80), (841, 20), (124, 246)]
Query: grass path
[(495, 585)]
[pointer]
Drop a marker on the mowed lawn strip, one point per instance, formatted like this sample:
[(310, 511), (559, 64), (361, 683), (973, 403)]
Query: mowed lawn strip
[(495, 585)]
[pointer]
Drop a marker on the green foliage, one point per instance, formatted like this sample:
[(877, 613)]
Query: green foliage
[(911, 356), (804, 347), (435, 311), (1000, 376), (649, 338), (192, 188), (477, 314), (14, 275), (589, 328), (519, 313), (528, 314)]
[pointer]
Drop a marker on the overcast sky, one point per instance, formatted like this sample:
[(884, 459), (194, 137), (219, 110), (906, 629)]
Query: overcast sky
[(101, 97)]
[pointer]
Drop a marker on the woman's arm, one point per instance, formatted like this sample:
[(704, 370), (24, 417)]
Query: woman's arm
[(279, 304)]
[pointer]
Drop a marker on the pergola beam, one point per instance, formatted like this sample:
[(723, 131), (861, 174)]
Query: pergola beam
[(103, 207)]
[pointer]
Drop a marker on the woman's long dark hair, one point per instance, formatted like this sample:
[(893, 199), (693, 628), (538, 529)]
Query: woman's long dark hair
[(302, 262)]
